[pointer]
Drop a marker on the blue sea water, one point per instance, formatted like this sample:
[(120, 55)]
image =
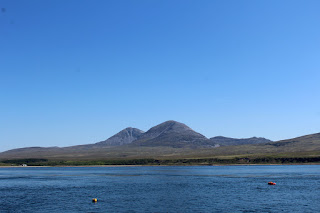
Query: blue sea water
[(161, 189)]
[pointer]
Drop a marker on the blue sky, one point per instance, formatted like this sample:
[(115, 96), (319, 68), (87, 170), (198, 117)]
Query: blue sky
[(77, 72)]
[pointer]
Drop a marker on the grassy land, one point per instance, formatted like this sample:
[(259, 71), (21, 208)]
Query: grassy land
[(271, 159), (300, 150)]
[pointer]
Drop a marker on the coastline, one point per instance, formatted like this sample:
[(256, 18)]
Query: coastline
[(291, 164)]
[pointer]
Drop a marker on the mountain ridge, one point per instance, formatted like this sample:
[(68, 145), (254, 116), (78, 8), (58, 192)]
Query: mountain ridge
[(226, 141), (169, 133), (169, 139)]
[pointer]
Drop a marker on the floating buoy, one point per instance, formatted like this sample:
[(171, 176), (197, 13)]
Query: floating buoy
[(94, 200), (271, 183)]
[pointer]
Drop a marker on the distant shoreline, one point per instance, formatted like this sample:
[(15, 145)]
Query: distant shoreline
[(78, 166), (291, 164), (236, 161)]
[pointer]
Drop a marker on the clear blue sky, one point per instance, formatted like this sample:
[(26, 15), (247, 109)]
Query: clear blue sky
[(77, 72)]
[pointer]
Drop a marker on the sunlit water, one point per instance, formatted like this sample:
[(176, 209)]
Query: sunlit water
[(161, 189)]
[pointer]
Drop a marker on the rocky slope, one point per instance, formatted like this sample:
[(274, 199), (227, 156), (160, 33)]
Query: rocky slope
[(173, 134), (123, 137)]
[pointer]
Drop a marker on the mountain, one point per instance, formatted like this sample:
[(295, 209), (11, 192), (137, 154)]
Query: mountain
[(224, 141), (171, 139), (123, 137), (172, 134)]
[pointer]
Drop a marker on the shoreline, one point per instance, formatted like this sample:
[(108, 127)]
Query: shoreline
[(291, 164)]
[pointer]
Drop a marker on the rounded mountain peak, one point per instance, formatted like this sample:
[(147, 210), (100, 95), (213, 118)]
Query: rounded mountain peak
[(171, 125), (131, 129), (125, 136)]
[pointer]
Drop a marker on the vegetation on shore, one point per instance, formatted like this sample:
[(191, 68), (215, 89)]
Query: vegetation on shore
[(150, 161)]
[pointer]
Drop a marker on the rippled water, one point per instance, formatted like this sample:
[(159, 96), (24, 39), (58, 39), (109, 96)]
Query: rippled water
[(161, 189)]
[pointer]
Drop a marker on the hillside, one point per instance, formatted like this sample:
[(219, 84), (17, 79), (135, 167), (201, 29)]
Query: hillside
[(224, 141), (307, 145), (172, 134), (171, 140), (300, 144), (123, 137)]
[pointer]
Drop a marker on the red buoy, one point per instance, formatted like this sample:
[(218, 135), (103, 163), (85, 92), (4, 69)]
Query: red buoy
[(271, 183)]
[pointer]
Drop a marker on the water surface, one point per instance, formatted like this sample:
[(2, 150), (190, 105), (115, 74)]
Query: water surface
[(161, 189)]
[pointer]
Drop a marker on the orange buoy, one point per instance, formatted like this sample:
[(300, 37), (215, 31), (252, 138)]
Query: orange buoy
[(271, 183), (94, 200)]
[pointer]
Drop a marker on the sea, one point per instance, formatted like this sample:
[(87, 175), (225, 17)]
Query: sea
[(161, 189)]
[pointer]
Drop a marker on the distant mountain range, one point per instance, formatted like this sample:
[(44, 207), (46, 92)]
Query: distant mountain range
[(173, 134), (168, 139), (224, 141)]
